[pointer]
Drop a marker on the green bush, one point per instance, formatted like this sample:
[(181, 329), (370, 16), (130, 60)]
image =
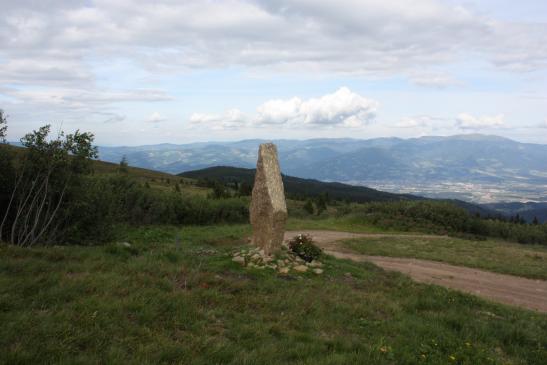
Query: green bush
[(442, 217), (102, 202), (303, 246)]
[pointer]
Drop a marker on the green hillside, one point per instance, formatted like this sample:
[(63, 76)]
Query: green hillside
[(297, 187)]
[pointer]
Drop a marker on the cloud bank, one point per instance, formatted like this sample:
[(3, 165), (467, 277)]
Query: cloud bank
[(468, 121), (342, 108), (52, 41)]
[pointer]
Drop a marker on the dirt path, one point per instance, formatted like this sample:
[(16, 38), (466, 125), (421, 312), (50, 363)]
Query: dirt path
[(507, 289)]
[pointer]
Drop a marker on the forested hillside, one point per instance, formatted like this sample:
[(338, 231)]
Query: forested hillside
[(297, 187)]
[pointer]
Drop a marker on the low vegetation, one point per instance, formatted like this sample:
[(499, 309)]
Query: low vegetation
[(492, 255), (41, 185), (54, 195), (173, 295), (443, 218)]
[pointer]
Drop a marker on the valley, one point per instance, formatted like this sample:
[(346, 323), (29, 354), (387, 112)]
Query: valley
[(475, 168), (481, 193)]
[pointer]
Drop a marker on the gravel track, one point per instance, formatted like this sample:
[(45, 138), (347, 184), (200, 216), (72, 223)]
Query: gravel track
[(507, 289)]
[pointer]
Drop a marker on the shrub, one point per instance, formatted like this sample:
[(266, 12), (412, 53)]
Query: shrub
[(308, 206), (49, 174), (442, 217), (303, 246)]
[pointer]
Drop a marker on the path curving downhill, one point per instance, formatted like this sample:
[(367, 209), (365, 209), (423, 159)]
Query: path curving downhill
[(507, 289)]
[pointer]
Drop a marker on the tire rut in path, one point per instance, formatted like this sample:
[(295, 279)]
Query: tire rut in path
[(507, 289)]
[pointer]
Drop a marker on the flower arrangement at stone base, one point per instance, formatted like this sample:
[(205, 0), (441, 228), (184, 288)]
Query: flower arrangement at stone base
[(303, 246)]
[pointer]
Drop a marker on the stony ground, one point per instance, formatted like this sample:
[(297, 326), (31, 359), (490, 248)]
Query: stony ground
[(284, 262), (507, 289)]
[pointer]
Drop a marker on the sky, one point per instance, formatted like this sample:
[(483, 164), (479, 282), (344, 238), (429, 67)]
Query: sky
[(146, 72)]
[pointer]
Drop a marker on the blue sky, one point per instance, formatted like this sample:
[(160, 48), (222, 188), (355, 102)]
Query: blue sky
[(141, 72)]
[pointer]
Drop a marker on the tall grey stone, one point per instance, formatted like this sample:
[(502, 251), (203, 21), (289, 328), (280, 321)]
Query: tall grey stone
[(268, 207)]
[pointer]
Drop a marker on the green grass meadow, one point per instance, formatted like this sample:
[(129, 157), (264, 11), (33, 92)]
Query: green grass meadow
[(175, 297), (493, 255)]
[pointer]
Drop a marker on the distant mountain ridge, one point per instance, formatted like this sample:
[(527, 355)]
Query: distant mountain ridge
[(484, 168), (527, 211)]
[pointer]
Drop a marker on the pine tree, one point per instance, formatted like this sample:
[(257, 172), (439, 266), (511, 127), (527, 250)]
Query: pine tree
[(308, 206), (3, 126), (245, 189), (321, 204), (123, 165)]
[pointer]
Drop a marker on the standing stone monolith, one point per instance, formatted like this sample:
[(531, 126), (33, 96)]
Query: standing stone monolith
[(268, 207)]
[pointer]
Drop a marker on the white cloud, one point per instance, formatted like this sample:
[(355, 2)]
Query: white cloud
[(468, 121), (424, 124), (70, 99), (342, 108), (230, 119), (155, 117), (433, 79), (48, 70), (420, 121)]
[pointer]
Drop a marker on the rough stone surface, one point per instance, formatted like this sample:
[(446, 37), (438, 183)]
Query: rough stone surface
[(268, 207), (284, 270), (283, 262), (239, 260)]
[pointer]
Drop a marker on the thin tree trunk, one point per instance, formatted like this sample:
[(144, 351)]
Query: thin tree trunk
[(20, 209), (12, 197), (38, 213), (24, 231), (52, 215)]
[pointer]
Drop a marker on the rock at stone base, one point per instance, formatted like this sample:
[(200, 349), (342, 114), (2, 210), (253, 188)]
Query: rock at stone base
[(268, 211), (301, 268), (283, 270), (239, 260), (318, 271)]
